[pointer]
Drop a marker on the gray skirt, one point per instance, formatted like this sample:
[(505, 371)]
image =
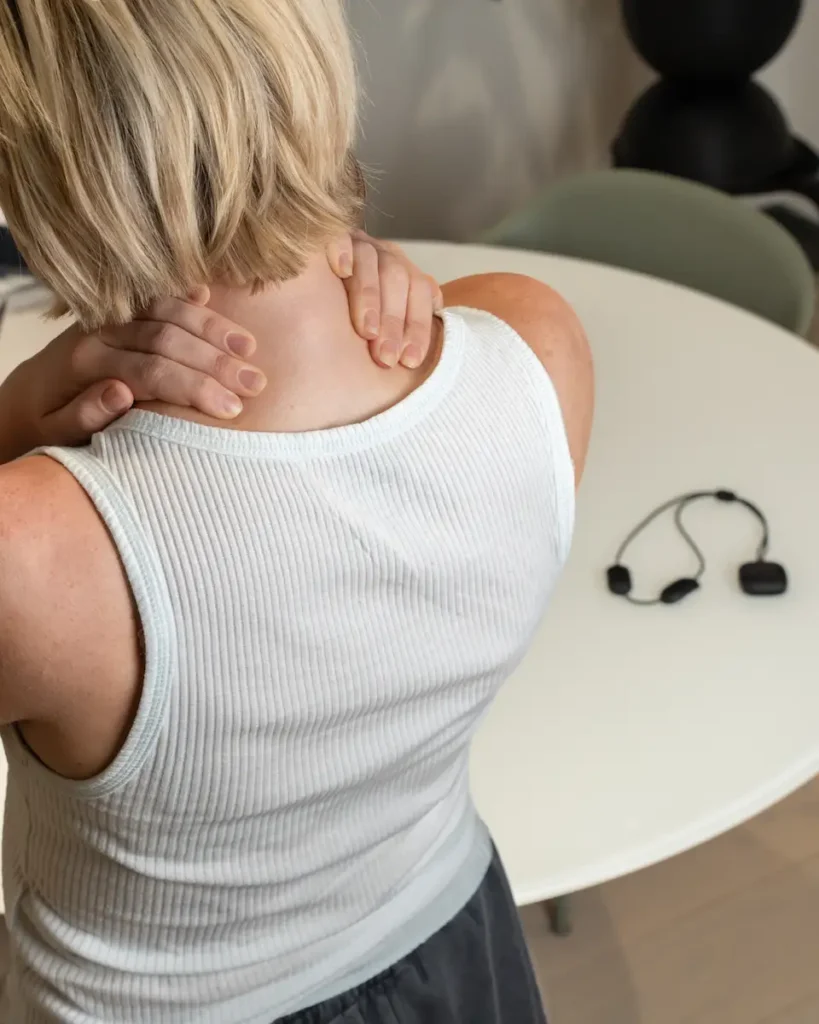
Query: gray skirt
[(475, 970)]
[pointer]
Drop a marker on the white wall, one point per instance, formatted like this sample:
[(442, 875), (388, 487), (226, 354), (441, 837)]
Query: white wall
[(471, 105), (794, 75)]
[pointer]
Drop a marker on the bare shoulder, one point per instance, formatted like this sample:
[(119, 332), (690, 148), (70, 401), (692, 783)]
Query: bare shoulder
[(549, 325), (64, 600)]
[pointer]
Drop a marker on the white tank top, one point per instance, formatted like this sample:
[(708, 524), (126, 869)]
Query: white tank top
[(327, 617)]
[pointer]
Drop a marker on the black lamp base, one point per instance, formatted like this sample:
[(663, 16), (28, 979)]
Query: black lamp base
[(706, 118), (712, 155)]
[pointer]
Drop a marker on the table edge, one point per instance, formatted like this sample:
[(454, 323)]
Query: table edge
[(696, 834)]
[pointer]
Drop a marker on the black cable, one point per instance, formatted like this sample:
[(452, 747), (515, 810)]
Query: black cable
[(686, 536), (647, 521), (762, 550), (680, 504), (638, 529)]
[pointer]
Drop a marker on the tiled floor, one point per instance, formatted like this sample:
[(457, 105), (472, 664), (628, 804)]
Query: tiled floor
[(725, 934)]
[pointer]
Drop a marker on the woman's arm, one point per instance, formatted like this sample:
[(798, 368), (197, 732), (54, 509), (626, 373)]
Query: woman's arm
[(179, 351), (550, 327)]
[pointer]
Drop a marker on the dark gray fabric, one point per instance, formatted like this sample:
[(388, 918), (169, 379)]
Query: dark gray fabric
[(475, 970)]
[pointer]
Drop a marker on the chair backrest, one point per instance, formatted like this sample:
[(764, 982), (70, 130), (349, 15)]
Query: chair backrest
[(672, 229)]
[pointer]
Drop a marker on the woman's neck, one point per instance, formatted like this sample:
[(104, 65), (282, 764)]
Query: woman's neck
[(319, 371)]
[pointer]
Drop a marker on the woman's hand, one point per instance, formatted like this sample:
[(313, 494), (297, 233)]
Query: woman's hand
[(183, 353), (392, 302), (178, 351)]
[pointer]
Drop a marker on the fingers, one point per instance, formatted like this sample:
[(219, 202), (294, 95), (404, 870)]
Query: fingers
[(383, 244), (391, 302), (340, 256), (153, 377), (185, 357), (394, 280), (418, 326), (95, 409), (186, 350), (200, 322), (364, 290)]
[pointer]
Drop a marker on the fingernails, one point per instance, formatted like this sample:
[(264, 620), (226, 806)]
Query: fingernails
[(388, 353), (240, 345), (371, 323), (115, 401), (232, 406), (345, 265), (412, 357), (252, 380)]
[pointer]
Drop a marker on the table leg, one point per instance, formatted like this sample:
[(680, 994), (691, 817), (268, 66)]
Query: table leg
[(559, 911)]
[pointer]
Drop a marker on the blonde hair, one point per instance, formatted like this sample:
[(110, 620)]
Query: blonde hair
[(149, 146)]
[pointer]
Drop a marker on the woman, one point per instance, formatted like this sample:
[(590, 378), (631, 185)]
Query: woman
[(179, 351), (242, 662)]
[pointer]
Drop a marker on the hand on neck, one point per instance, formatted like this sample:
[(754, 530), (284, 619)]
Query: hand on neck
[(319, 371)]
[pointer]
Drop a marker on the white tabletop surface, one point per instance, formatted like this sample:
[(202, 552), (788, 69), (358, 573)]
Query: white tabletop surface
[(630, 734)]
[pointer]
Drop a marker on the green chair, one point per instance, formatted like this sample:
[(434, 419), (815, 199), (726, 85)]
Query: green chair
[(672, 229)]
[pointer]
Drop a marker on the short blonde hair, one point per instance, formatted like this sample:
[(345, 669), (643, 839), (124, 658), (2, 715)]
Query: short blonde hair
[(149, 146)]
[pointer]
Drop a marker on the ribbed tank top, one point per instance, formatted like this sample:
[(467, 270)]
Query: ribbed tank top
[(327, 617)]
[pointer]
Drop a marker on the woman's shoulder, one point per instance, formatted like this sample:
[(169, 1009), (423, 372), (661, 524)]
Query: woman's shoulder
[(66, 616), (552, 330)]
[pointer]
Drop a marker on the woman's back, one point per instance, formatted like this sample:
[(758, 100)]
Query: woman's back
[(265, 649), (326, 617)]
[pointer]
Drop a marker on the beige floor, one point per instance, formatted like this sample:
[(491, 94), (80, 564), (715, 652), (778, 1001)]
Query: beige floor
[(725, 934)]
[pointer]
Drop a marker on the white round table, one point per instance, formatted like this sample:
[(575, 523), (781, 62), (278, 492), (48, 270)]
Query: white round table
[(631, 734)]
